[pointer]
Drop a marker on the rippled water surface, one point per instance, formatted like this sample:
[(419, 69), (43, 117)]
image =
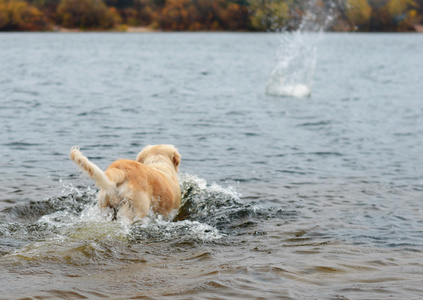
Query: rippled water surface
[(283, 198)]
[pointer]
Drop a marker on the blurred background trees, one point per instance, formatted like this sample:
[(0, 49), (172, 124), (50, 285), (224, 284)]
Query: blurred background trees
[(202, 15), (269, 14), (86, 14), (382, 15), (194, 15), (19, 15)]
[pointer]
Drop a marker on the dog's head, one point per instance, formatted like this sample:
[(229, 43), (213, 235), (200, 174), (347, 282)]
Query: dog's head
[(160, 154)]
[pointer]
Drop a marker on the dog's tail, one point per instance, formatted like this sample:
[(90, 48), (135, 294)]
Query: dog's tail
[(100, 178)]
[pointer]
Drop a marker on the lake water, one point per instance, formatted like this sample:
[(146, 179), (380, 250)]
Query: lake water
[(284, 198)]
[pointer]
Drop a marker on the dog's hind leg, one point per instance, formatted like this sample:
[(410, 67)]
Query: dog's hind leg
[(134, 209)]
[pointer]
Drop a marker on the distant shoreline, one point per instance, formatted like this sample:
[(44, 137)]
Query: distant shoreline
[(122, 28), (417, 28)]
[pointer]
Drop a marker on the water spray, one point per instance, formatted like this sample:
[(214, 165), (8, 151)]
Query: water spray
[(296, 59)]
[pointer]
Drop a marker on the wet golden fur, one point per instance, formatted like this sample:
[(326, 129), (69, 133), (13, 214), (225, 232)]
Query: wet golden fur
[(132, 187)]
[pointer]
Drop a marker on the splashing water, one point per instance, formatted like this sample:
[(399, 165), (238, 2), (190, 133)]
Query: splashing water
[(296, 59), (72, 228), (293, 73)]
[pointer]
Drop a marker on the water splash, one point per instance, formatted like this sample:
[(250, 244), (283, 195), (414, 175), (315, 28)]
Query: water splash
[(72, 229), (296, 59), (294, 71)]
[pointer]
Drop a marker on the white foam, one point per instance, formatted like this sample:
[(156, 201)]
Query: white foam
[(203, 186), (159, 227), (297, 91), (58, 219)]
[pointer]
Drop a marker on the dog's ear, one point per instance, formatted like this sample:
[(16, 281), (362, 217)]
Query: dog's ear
[(176, 160), (143, 154)]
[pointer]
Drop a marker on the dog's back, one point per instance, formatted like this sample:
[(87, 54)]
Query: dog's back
[(131, 187), (163, 192)]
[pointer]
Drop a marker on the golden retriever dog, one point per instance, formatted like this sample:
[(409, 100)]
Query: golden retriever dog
[(132, 187)]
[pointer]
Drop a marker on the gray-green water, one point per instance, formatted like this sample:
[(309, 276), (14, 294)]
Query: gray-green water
[(310, 198)]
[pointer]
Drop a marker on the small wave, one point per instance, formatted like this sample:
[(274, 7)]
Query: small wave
[(207, 204), (221, 207), (157, 229), (74, 201)]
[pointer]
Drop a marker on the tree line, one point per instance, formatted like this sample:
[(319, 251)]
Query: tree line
[(209, 15)]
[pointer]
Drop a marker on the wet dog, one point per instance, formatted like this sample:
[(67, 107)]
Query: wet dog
[(132, 187)]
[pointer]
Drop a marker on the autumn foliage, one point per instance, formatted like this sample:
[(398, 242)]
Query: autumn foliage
[(202, 15), (86, 14), (388, 15), (19, 15)]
